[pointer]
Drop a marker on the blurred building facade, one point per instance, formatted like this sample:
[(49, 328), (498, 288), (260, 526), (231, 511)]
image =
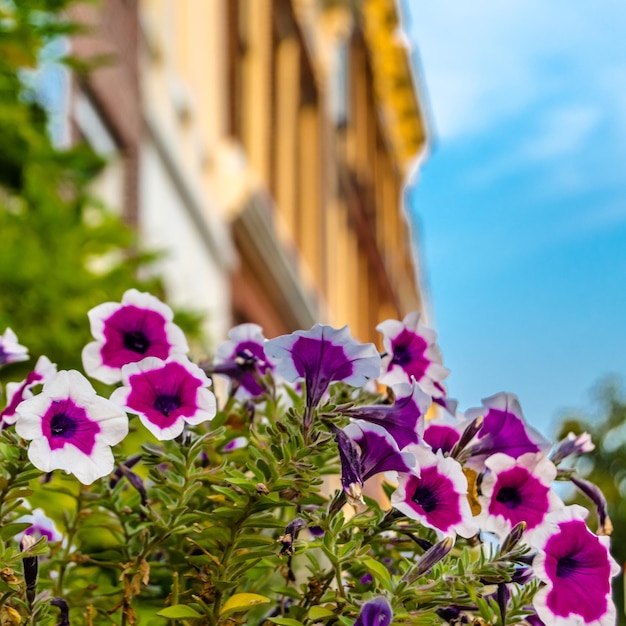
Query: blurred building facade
[(262, 145)]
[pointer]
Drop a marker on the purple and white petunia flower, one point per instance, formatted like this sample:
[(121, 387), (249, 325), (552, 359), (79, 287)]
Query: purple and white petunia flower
[(378, 451), (517, 490), (321, 356), (16, 392), (242, 358), (435, 494), (404, 419), (71, 428), (166, 395), (40, 526), (504, 429), (375, 612), (140, 326), (443, 432), (577, 568), (412, 352), (10, 350)]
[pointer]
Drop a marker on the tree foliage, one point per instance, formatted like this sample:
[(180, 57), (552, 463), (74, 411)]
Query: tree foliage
[(46, 239)]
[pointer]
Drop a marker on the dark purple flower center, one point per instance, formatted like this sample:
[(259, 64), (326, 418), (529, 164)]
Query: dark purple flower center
[(401, 354), (425, 497), (62, 425), (409, 353), (566, 566), (510, 497), (66, 423), (136, 341), (166, 404)]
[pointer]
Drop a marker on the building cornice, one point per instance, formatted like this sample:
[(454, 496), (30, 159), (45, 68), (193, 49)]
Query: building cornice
[(403, 119)]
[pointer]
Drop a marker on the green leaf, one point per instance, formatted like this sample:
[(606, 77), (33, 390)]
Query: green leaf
[(9, 531), (242, 602), (378, 571), (284, 621), (319, 612), (179, 611)]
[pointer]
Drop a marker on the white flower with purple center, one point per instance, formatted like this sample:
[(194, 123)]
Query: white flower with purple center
[(17, 392), (138, 327), (71, 428), (41, 526), (517, 490), (504, 429), (412, 352), (435, 494), (577, 568), (242, 358), (404, 419), (10, 350), (166, 395), (321, 356)]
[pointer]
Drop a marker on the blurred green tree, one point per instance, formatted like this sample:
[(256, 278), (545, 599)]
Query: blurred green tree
[(50, 226), (606, 467)]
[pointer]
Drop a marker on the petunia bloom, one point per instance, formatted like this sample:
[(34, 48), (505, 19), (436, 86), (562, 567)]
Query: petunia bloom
[(517, 490), (71, 428), (577, 568), (366, 450), (138, 327), (412, 352), (504, 429), (436, 494), (166, 395), (378, 451), (404, 419), (41, 526), (375, 612), (242, 358), (321, 356), (442, 433), (10, 350), (16, 392)]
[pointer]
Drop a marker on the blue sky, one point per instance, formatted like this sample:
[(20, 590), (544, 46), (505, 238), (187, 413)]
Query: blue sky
[(521, 204)]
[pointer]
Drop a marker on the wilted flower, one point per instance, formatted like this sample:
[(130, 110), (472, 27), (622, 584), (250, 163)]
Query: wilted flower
[(16, 392), (351, 472), (140, 326), (10, 350), (375, 612), (577, 568), (242, 358), (435, 494), (412, 353), (504, 429), (404, 419), (321, 356), (71, 428), (166, 395), (517, 490)]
